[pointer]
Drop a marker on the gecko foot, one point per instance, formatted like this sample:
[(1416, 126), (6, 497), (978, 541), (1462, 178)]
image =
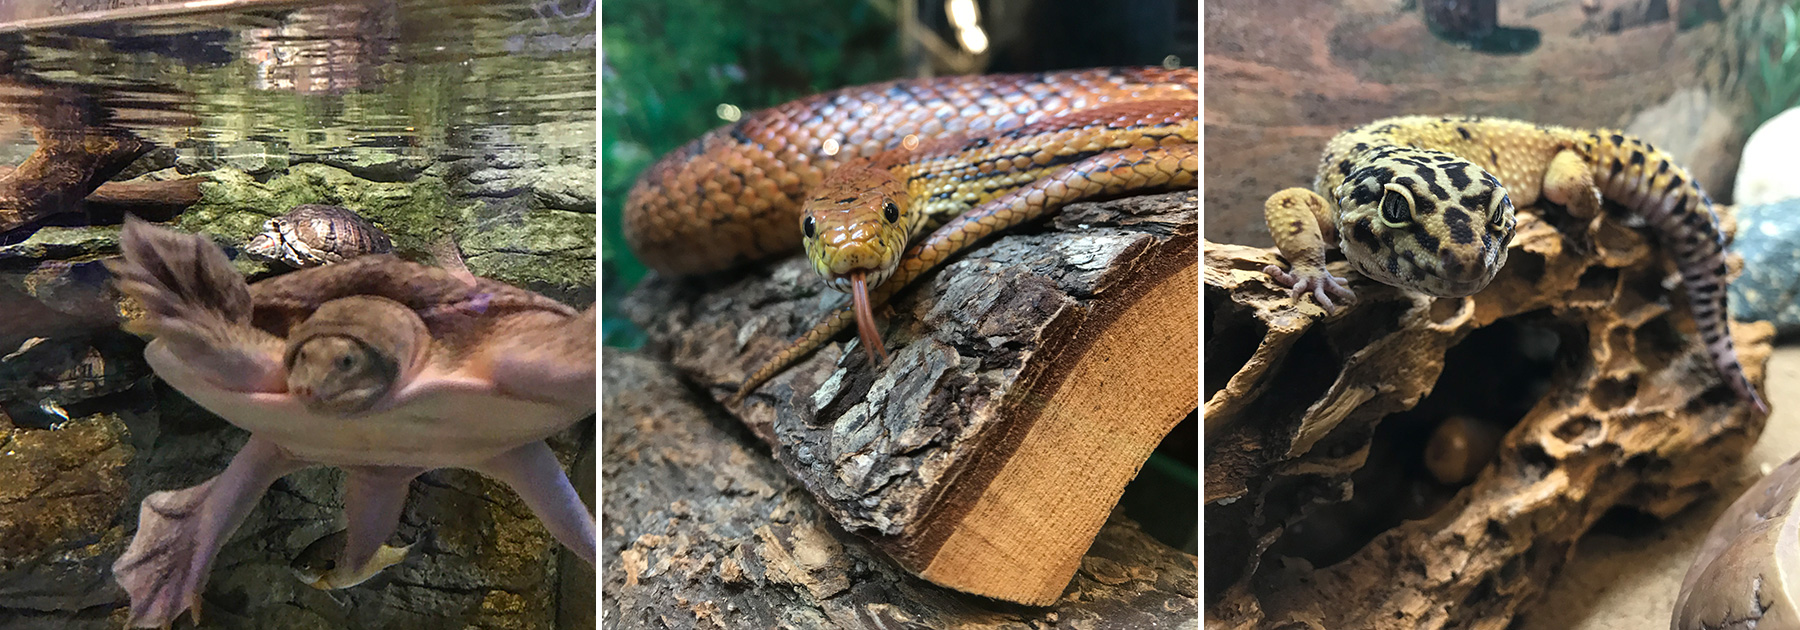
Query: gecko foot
[(1317, 281)]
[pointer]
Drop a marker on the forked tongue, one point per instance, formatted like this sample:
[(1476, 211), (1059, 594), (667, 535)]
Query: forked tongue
[(865, 318)]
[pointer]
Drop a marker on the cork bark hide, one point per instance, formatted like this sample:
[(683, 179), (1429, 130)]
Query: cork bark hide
[(1030, 379), (1318, 510)]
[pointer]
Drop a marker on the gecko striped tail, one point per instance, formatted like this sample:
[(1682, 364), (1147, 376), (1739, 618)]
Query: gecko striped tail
[(1648, 182)]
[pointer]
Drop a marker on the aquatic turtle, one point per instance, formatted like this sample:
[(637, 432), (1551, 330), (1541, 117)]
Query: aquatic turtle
[(310, 235), (381, 367)]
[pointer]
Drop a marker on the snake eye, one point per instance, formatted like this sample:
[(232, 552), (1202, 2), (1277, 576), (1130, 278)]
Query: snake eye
[(1396, 206), (808, 227), (890, 212)]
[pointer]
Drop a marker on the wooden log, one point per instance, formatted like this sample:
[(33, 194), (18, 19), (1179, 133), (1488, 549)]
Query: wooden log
[(1319, 511), (1029, 381), (153, 200), (76, 151), (704, 530)]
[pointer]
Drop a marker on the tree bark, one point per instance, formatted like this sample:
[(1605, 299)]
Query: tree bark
[(703, 530), (1029, 381)]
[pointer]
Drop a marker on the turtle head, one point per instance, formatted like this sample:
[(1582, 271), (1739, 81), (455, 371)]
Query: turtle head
[(352, 352)]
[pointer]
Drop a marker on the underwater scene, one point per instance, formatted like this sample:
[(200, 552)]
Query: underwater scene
[(1500, 302), (900, 314), (298, 314)]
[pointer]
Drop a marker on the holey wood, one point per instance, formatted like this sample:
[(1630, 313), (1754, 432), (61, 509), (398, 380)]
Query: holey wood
[(1029, 381), (1306, 416)]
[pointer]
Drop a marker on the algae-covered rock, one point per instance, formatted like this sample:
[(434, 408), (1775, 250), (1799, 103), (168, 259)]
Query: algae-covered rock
[(544, 249), (59, 508)]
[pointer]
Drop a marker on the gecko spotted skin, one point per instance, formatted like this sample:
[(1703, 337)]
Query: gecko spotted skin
[(1426, 204)]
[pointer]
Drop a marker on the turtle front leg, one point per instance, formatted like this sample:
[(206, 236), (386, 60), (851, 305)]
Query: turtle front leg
[(373, 498), (180, 532), (533, 472)]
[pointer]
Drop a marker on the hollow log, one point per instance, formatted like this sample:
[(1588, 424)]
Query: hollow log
[(1030, 379), (1319, 511), (704, 530)]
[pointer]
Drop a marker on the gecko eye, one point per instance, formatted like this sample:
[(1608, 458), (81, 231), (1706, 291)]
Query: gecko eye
[(1502, 208), (808, 227), (890, 212), (1396, 206)]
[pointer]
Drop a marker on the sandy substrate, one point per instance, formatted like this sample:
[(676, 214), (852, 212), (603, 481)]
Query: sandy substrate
[(1622, 579)]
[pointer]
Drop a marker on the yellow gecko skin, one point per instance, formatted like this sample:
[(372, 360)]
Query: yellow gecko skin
[(1426, 204)]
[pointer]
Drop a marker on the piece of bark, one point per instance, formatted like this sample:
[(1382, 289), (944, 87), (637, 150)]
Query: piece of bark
[(704, 530), (1029, 381), (152, 200), (1632, 416)]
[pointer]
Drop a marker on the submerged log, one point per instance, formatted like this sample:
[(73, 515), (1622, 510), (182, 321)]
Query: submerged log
[(150, 199), (1030, 379), (1320, 511), (76, 152), (703, 530)]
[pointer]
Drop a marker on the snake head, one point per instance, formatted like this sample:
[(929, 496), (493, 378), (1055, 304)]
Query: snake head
[(857, 222), (855, 229), (1425, 220)]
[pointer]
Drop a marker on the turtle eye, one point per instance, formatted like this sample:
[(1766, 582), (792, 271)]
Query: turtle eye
[(808, 227), (345, 362), (1396, 206), (890, 212)]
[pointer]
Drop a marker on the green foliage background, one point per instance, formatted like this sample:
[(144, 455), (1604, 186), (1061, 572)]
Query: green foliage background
[(1774, 64), (668, 64)]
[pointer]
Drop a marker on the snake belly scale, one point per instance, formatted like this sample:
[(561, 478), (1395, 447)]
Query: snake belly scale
[(1002, 150), (1426, 204)]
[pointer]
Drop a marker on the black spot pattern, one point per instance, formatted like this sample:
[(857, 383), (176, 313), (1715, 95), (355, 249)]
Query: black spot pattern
[(1364, 233), (1457, 222), (1458, 175)]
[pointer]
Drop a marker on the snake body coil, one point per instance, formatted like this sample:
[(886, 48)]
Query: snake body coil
[(734, 194), (859, 173)]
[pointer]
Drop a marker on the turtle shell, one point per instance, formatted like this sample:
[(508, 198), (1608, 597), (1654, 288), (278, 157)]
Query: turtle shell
[(311, 235), (455, 312)]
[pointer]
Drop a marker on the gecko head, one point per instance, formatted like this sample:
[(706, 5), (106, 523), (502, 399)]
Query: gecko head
[(1426, 221)]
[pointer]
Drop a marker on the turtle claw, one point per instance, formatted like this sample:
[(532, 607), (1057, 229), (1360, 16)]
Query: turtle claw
[(1317, 281)]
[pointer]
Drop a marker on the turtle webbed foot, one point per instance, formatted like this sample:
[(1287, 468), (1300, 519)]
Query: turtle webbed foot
[(179, 533), (164, 569), (197, 304)]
